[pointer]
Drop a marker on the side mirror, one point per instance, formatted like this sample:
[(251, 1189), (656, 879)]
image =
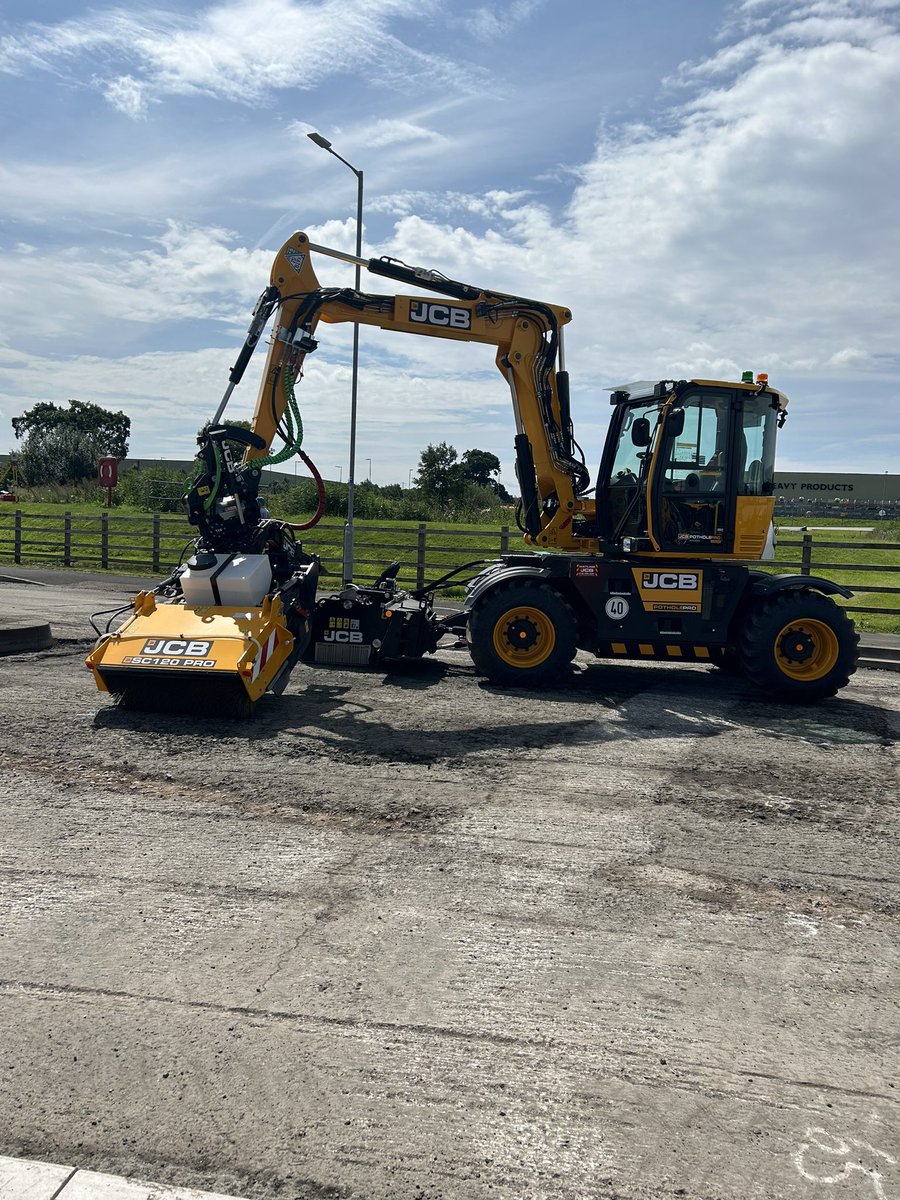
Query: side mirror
[(675, 423), (640, 432)]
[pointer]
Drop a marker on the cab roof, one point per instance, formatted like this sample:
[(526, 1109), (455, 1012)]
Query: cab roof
[(646, 389)]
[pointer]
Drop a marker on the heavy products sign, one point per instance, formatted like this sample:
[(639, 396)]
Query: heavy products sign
[(815, 485), (831, 486)]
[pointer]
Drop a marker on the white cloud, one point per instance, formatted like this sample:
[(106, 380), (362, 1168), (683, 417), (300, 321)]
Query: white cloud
[(185, 273), (761, 218), (126, 94), (849, 356), (489, 24), (240, 51), (750, 225), (445, 203), (754, 229), (392, 132)]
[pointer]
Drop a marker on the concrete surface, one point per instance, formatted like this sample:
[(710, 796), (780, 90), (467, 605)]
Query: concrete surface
[(21, 1179), (880, 651), (407, 935), (18, 634), (24, 1180)]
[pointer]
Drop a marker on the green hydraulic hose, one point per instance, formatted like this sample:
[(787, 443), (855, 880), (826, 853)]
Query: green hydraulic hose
[(293, 428)]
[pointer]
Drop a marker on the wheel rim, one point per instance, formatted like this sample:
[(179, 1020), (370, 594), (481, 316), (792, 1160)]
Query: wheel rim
[(806, 649), (524, 637)]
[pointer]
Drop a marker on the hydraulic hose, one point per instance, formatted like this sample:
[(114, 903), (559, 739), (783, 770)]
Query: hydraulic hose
[(320, 488), (293, 432)]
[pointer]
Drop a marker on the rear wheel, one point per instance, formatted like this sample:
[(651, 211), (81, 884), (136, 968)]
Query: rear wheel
[(523, 634), (798, 645)]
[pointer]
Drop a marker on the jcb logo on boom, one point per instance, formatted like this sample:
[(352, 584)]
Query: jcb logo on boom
[(175, 648), (439, 314), (679, 581)]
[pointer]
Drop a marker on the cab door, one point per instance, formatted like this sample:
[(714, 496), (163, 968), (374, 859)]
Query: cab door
[(693, 476), (622, 478)]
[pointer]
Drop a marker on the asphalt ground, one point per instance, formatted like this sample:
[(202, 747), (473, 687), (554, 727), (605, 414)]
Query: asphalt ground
[(409, 935)]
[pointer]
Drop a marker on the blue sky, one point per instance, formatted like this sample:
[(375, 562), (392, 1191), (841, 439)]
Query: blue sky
[(710, 187)]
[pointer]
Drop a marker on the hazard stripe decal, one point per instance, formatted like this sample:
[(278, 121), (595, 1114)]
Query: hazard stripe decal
[(263, 657), (678, 651)]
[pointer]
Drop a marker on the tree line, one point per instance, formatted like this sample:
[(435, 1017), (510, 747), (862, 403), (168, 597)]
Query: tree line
[(64, 445)]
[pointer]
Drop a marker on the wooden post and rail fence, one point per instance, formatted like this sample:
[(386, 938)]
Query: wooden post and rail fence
[(155, 544)]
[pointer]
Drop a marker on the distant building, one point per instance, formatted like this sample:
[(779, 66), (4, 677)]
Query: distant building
[(836, 488)]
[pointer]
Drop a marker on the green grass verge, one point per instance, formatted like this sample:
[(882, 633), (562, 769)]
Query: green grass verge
[(867, 545)]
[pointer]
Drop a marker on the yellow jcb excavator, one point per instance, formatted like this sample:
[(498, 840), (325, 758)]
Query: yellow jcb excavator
[(655, 554)]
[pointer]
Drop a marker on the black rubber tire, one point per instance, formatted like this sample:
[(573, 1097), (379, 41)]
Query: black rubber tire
[(758, 647), (549, 612), (729, 663)]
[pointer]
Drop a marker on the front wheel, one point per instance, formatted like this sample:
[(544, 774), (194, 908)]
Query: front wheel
[(522, 635), (798, 645)]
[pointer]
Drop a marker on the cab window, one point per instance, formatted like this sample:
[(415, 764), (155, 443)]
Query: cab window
[(628, 460), (621, 505), (696, 457), (757, 448)]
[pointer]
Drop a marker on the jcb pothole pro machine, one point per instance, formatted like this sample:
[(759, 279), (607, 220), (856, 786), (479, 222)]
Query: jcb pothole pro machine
[(654, 561)]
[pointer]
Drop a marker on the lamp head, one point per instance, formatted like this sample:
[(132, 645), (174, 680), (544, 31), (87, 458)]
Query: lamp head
[(319, 140)]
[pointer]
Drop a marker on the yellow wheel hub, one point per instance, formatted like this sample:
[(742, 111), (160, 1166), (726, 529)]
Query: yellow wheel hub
[(806, 650), (524, 637)]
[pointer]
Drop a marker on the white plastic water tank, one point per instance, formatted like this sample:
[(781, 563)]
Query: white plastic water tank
[(241, 580)]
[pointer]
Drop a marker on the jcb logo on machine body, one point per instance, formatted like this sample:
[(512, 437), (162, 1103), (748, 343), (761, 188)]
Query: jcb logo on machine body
[(176, 648), (446, 315), (172, 652), (669, 591), (343, 629), (682, 581)]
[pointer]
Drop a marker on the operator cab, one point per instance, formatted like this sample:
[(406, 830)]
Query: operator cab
[(688, 468)]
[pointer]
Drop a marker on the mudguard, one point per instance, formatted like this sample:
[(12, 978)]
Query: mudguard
[(500, 573), (766, 585)]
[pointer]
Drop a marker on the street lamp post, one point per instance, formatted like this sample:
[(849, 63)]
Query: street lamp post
[(369, 461), (340, 471), (324, 143)]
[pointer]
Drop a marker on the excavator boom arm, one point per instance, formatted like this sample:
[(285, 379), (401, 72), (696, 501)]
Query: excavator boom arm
[(526, 334)]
